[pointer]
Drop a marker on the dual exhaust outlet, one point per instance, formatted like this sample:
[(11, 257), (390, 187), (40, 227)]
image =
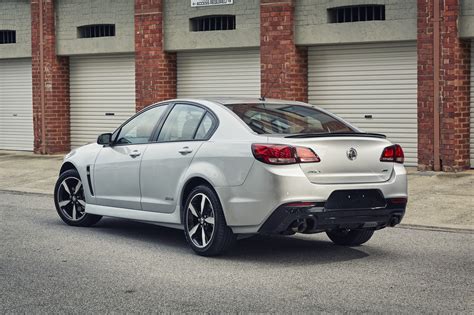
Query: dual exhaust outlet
[(307, 224), (301, 225)]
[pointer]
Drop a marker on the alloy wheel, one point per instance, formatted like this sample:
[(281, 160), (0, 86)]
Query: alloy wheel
[(71, 199), (200, 220)]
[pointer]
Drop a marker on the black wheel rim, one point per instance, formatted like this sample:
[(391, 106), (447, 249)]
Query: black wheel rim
[(71, 200), (200, 223)]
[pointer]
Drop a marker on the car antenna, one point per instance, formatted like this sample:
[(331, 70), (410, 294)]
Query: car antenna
[(262, 98)]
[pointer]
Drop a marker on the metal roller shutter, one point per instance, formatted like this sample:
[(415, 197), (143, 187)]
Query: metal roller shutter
[(472, 105), (219, 73), (373, 86), (16, 109), (102, 95)]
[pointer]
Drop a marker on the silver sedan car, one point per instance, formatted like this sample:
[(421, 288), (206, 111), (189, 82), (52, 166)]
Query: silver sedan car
[(222, 169)]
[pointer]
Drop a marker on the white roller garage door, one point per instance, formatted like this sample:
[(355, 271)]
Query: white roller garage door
[(219, 73), (16, 109), (373, 86), (102, 95)]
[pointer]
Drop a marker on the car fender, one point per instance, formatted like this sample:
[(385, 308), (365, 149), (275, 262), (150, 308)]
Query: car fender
[(80, 158)]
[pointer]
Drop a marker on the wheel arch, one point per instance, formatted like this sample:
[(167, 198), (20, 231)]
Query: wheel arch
[(66, 167), (190, 184)]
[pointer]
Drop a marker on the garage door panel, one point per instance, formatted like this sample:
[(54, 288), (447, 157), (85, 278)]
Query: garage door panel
[(100, 85), (374, 98), (380, 80), (16, 109), (219, 73), (367, 68), (393, 86)]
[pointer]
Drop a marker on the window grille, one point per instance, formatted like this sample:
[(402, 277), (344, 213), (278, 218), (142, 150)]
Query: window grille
[(356, 13), (213, 23), (96, 30), (7, 37)]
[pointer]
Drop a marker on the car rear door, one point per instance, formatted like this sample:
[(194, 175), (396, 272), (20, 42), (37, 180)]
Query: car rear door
[(116, 172), (165, 162)]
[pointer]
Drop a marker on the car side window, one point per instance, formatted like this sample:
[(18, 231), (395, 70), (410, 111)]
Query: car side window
[(181, 123), (206, 127), (139, 129)]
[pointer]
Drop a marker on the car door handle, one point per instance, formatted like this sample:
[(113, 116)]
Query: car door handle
[(185, 150), (135, 153)]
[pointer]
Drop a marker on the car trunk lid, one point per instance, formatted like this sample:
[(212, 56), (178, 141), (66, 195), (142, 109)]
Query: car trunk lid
[(345, 159)]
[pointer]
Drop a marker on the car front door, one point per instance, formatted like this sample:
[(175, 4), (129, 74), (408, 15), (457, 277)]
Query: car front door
[(165, 162), (116, 172)]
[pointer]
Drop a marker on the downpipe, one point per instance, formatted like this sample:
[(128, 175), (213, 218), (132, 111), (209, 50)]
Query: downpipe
[(436, 87)]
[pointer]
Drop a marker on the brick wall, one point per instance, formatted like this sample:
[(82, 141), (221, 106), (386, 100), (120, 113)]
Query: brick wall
[(55, 88), (155, 69), (454, 88), (284, 67)]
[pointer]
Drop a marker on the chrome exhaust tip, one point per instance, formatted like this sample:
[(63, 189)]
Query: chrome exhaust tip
[(299, 226)]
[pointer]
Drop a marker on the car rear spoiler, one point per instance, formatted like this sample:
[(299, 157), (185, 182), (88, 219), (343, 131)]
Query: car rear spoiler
[(338, 134)]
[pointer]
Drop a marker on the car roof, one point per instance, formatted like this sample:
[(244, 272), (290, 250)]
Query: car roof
[(244, 100)]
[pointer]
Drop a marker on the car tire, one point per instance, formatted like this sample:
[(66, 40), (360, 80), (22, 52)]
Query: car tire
[(349, 237), (70, 202), (205, 227)]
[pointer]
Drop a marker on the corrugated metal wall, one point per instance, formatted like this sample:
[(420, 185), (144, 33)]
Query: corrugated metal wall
[(373, 86), (16, 109), (219, 73), (102, 95)]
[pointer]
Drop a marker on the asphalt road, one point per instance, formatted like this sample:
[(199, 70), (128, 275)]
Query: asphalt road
[(123, 266)]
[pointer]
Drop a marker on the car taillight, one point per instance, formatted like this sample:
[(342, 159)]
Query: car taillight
[(283, 154), (306, 155), (398, 201), (393, 153)]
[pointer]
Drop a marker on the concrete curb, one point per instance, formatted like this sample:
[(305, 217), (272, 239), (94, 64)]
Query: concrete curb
[(22, 192), (434, 228)]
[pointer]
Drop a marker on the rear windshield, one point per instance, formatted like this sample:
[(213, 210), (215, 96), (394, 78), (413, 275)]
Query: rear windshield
[(287, 119)]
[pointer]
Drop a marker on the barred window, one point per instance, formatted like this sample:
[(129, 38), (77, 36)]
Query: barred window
[(7, 37), (213, 23), (96, 30), (356, 13)]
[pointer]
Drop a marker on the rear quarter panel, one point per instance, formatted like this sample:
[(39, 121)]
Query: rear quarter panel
[(221, 163)]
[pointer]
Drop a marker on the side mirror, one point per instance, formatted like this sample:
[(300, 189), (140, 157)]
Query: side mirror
[(105, 139)]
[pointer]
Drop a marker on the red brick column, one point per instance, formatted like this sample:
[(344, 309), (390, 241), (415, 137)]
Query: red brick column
[(284, 67), (454, 85), (425, 85), (155, 69), (50, 76)]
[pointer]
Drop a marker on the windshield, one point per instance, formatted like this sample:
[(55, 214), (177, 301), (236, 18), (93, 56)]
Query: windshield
[(287, 119)]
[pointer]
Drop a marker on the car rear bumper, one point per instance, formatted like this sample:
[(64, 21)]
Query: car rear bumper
[(249, 206), (287, 219)]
